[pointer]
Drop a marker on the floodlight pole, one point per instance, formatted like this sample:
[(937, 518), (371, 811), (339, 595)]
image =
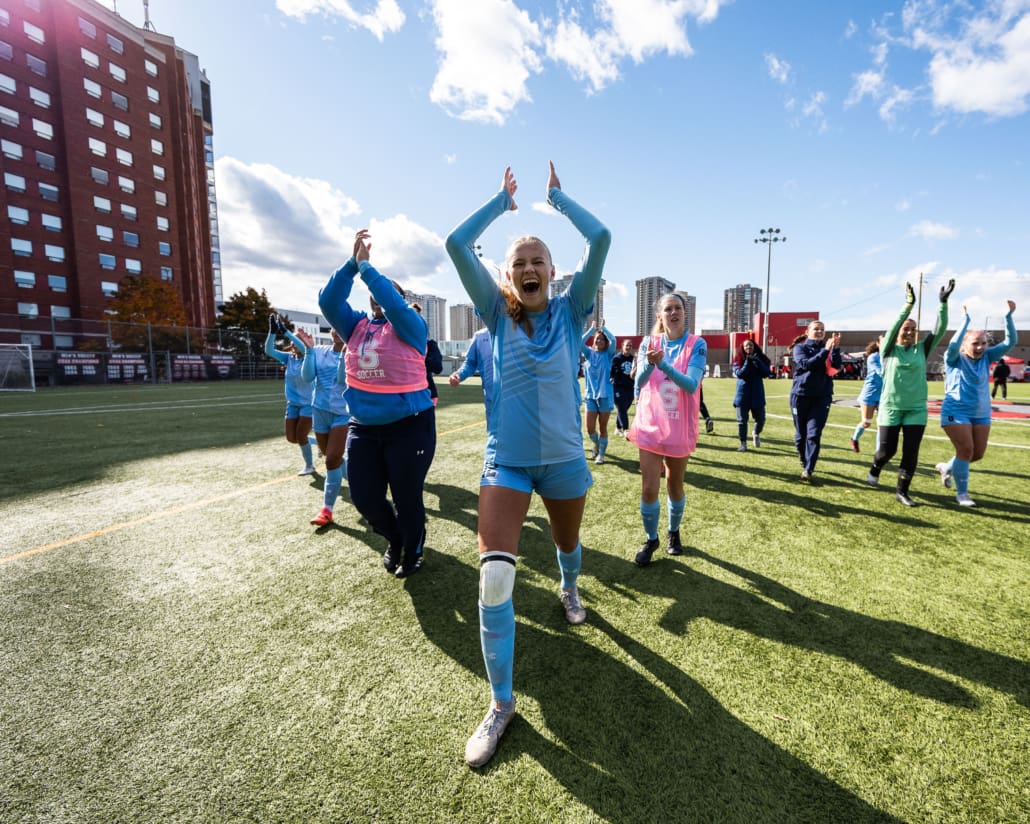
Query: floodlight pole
[(769, 237)]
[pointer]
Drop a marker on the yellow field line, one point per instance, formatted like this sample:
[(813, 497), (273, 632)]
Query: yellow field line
[(164, 513)]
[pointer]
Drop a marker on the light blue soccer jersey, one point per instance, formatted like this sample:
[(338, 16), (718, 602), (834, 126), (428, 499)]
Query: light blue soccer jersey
[(323, 364), (967, 381), (597, 374)]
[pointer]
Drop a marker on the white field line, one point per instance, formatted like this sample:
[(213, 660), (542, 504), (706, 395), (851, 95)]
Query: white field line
[(151, 406)]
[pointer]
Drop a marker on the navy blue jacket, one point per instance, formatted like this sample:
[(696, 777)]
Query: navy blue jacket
[(750, 386), (810, 378)]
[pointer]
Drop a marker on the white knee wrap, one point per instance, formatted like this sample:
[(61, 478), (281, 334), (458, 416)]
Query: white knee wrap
[(496, 578), (866, 422)]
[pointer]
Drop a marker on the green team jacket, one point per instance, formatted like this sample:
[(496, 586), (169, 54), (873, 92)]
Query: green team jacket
[(904, 367)]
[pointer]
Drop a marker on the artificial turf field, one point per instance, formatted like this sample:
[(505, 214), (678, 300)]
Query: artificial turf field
[(178, 644)]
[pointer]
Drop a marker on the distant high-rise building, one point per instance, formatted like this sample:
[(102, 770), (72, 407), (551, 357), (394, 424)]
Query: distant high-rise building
[(108, 164), (561, 284), (434, 310), (739, 307), (690, 321), (648, 291), (464, 321)]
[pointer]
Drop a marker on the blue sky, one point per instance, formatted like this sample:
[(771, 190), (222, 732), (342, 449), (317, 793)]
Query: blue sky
[(884, 139)]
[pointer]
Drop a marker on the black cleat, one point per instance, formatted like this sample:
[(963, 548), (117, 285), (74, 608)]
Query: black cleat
[(673, 545), (643, 558)]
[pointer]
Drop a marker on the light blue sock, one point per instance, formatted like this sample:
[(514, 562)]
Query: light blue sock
[(497, 637), (649, 514), (305, 451), (569, 564), (603, 445), (676, 512), (950, 464), (960, 473), (333, 480), (596, 439), (343, 466), (857, 434)]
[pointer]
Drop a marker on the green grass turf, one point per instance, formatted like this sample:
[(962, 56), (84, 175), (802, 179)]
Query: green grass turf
[(178, 643)]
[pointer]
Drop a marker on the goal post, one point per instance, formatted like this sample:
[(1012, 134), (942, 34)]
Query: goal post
[(16, 370)]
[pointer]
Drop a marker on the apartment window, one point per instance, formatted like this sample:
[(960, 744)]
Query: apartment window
[(16, 214), (98, 147), (157, 147), (120, 101), (6, 52), (54, 252), (9, 117), (126, 184), (51, 223), (166, 273), (124, 156), (32, 4), (109, 288), (155, 120), (153, 95), (121, 129), (60, 312), (5, 17), (64, 342), (90, 58), (151, 67), (45, 160), (128, 212), (34, 33), (24, 280), (87, 28), (116, 45), (30, 338), (39, 97), (28, 310), (92, 88), (48, 191), (160, 198), (99, 175), (101, 204), (8, 84), (42, 128), (159, 172), (57, 283), (22, 248), (106, 261), (105, 233), (117, 72), (133, 266), (14, 182), (164, 248), (94, 117), (35, 64), (131, 239), (162, 223), (11, 149)]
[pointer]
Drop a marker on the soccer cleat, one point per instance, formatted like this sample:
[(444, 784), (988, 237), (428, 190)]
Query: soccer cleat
[(709, 426), (757, 440), (599, 459), (964, 499), (806, 476), (673, 546), (872, 480), (391, 558), (325, 516), (643, 558), (903, 498), (307, 470), (574, 612), (595, 453), (413, 562), (483, 743), (742, 447), (854, 446), (945, 475)]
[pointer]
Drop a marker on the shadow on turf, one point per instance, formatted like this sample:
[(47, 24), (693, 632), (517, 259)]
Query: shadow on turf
[(623, 746)]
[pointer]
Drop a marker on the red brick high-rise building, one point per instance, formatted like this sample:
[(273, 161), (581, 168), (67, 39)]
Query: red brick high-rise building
[(108, 165)]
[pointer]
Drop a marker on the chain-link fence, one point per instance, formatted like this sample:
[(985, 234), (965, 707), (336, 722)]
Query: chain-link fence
[(73, 350)]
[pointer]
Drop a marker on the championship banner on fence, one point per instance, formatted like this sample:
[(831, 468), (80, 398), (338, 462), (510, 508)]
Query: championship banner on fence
[(79, 367)]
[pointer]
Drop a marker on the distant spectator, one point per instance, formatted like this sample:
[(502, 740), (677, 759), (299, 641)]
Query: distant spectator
[(751, 367), (1001, 376), (622, 386)]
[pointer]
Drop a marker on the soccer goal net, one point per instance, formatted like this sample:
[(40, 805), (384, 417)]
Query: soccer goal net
[(16, 372)]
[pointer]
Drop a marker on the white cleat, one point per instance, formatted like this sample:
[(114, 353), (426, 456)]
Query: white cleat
[(483, 743), (964, 499), (307, 470)]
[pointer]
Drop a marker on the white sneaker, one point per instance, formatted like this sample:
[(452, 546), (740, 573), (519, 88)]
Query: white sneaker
[(945, 475), (483, 743), (307, 470), (757, 440), (574, 612), (599, 459), (964, 499), (872, 480), (596, 451)]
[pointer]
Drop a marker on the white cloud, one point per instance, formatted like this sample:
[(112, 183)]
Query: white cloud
[(779, 70), (866, 84), (384, 19), (813, 109), (489, 49), (450, 159), (903, 205), (929, 230), (286, 234), (850, 30)]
